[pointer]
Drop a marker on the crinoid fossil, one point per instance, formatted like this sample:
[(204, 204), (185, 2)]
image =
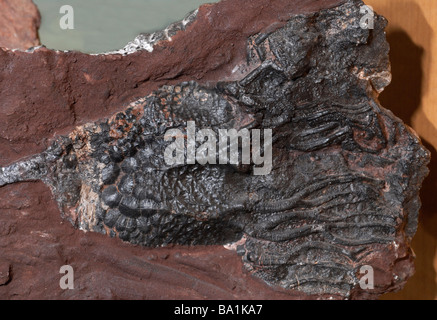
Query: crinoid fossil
[(343, 179)]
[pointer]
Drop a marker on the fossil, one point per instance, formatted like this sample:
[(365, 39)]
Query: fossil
[(345, 171)]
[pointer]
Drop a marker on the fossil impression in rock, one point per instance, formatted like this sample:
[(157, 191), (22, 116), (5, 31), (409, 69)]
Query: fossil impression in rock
[(345, 172)]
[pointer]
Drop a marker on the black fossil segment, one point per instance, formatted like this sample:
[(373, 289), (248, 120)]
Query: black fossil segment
[(110, 172), (345, 173), (111, 217), (313, 238), (111, 197)]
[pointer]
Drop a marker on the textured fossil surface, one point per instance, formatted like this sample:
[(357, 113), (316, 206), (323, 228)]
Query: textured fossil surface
[(345, 177)]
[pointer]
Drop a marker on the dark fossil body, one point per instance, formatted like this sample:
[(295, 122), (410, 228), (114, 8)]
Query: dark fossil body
[(345, 175)]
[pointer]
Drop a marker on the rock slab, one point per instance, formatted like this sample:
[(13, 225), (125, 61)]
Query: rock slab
[(342, 191)]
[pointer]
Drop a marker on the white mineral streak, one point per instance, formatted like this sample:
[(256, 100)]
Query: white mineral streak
[(87, 208), (143, 41), (147, 41), (233, 246)]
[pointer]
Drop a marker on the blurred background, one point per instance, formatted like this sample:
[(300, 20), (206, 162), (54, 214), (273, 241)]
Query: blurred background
[(412, 96), (105, 25)]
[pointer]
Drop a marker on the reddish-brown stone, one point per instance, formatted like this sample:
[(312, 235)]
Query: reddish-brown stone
[(49, 92), (35, 243), (46, 92), (19, 23)]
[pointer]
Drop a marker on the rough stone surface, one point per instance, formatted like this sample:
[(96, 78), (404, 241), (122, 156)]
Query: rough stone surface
[(19, 23), (65, 89), (343, 190)]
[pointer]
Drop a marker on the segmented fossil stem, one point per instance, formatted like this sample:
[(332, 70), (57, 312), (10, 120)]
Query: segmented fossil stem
[(34, 168)]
